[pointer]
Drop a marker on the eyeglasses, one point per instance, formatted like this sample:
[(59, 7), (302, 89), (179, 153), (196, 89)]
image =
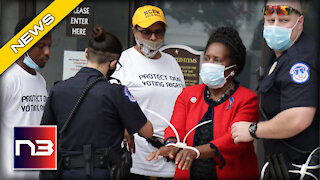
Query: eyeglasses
[(281, 10), (147, 33)]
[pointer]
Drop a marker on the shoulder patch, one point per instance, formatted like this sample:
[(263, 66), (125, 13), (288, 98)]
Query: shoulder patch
[(300, 73), (128, 94)]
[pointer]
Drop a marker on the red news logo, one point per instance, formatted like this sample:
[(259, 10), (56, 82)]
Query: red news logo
[(35, 147)]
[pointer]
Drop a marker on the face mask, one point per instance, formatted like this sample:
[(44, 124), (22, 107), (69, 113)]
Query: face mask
[(278, 38), (110, 71), (29, 62), (213, 75), (149, 48)]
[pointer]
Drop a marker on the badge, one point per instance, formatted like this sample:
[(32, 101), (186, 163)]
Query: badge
[(129, 95), (193, 99), (300, 73), (273, 67)]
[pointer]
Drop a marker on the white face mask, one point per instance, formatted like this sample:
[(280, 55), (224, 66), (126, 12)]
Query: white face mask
[(148, 48), (213, 75)]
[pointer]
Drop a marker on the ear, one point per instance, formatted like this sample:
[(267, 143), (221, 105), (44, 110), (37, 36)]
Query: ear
[(301, 20), (86, 53)]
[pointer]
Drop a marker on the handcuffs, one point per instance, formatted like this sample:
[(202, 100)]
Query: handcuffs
[(180, 144)]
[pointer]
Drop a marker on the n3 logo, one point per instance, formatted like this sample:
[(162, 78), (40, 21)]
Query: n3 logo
[(48, 147), (35, 148)]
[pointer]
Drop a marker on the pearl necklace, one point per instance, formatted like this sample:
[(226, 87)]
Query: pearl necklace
[(223, 95)]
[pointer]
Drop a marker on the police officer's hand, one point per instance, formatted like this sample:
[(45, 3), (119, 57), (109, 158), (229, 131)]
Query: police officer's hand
[(166, 151), (128, 141), (185, 158), (240, 132)]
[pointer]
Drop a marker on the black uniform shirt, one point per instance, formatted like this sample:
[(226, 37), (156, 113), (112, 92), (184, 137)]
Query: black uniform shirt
[(102, 116), (292, 81)]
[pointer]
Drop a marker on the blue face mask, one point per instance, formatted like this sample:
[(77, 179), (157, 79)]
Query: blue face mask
[(278, 38), (213, 75), (29, 62)]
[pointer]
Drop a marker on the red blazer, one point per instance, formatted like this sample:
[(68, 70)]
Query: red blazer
[(234, 161)]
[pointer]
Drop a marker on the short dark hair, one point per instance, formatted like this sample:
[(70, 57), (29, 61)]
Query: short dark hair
[(103, 42), (231, 39), (266, 1), (22, 23)]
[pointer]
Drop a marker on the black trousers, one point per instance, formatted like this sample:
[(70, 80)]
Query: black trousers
[(79, 173)]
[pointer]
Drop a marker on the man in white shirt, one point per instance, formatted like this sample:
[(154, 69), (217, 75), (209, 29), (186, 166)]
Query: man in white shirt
[(23, 95), (155, 79)]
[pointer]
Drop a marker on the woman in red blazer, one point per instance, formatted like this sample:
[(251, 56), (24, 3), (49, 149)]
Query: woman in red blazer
[(223, 101)]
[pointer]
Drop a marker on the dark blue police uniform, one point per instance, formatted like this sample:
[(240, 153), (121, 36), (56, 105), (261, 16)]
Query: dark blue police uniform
[(100, 120), (292, 81)]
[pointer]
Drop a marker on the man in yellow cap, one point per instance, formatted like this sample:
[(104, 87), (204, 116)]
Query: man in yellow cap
[(155, 80)]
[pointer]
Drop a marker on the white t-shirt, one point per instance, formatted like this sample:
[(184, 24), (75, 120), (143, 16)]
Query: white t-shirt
[(22, 100), (155, 84)]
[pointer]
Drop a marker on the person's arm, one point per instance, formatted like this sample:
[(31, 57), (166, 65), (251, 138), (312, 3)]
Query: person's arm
[(128, 141), (286, 124), (146, 130), (133, 119)]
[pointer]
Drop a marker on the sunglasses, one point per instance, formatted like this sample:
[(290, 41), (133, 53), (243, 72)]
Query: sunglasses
[(147, 33), (281, 10)]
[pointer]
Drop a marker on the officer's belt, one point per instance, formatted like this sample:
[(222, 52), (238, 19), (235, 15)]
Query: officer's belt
[(78, 161)]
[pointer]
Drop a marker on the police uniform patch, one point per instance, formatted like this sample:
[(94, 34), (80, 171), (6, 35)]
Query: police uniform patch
[(128, 94), (300, 73)]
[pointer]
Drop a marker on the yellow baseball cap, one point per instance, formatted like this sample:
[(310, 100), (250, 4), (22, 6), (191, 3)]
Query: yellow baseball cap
[(147, 15)]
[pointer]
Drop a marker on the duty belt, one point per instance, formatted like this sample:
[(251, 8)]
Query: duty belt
[(87, 160), (78, 161)]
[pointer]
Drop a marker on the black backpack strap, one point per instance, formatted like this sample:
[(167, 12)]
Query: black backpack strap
[(75, 108)]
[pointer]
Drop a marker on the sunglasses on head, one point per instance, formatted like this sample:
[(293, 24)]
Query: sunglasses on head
[(147, 33), (281, 10)]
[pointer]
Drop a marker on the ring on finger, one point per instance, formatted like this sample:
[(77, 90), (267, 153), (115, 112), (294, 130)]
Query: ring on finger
[(188, 158)]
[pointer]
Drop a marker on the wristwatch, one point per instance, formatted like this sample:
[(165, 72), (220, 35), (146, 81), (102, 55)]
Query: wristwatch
[(252, 130)]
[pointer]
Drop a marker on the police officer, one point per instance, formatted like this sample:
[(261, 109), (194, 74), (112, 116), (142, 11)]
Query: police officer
[(98, 123), (288, 94)]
